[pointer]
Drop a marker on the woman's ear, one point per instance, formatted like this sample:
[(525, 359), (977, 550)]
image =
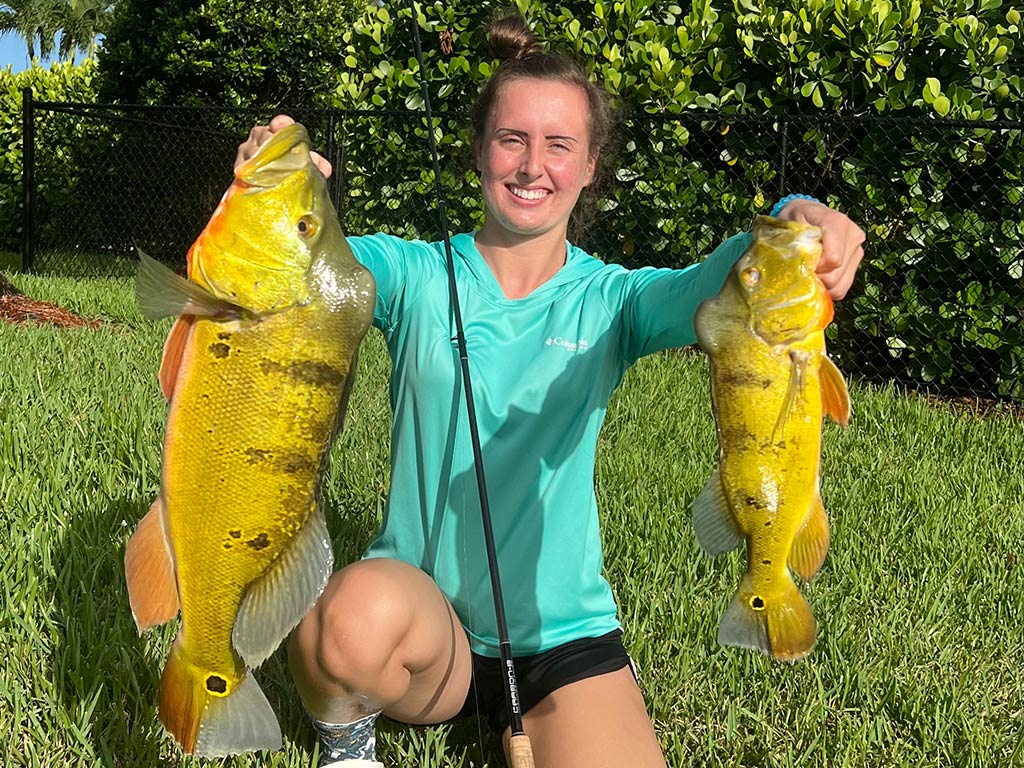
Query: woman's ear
[(591, 169)]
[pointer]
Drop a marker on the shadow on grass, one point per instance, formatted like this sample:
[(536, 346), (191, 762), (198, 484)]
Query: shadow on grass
[(105, 675)]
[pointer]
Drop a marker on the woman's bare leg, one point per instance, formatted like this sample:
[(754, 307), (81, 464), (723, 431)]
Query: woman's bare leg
[(381, 637), (600, 722)]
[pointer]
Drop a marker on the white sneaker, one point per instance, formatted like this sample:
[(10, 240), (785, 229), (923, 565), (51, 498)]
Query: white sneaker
[(354, 764)]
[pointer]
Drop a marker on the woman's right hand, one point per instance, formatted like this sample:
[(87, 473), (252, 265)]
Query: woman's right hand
[(261, 133)]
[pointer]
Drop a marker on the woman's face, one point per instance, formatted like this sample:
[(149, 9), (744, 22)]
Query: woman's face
[(534, 158)]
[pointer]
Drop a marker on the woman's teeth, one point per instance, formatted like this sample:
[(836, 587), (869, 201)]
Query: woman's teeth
[(529, 194)]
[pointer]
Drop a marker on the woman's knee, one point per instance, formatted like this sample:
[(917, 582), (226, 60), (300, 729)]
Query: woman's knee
[(360, 620)]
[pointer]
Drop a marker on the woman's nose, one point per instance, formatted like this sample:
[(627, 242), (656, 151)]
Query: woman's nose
[(531, 163)]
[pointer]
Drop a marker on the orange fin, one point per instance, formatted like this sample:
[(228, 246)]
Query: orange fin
[(835, 399), (779, 623), (174, 350), (713, 520), (811, 543), (149, 571)]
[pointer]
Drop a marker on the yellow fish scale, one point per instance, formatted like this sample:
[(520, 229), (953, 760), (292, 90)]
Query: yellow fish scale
[(252, 415), (769, 472)]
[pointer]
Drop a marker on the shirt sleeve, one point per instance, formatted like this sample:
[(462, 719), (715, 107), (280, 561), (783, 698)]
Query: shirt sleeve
[(659, 304), (400, 268)]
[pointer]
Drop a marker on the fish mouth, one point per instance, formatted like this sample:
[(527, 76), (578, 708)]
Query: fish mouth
[(783, 235), (284, 153)]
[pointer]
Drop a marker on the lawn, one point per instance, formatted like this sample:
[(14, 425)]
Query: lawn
[(919, 604)]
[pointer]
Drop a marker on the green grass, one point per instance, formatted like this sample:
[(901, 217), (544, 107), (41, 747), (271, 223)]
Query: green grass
[(920, 602)]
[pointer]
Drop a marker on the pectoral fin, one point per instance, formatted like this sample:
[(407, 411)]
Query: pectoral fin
[(797, 381), (149, 571), (277, 602), (160, 292), (810, 546), (835, 399), (713, 521)]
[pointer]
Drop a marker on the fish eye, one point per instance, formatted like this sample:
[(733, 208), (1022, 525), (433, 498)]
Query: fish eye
[(307, 226), (751, 277)]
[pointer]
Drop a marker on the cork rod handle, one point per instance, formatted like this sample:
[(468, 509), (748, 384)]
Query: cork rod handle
[(520, 753)]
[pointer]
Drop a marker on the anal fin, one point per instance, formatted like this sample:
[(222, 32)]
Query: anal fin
[(810, 545), (274, 604), (713, 521), (149, 571)]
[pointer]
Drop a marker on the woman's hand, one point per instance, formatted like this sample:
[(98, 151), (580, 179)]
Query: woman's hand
[(261, 133), (842, 243)]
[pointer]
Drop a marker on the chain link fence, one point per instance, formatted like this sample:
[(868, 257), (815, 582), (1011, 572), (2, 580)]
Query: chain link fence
[(938, 303)]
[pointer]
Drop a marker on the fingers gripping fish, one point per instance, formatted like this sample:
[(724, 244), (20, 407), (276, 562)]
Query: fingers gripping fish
[(256, 369), (771, 382)]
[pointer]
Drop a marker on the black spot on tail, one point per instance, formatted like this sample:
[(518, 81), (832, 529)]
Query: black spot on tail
[(235, 534), (216, 684), (224, 336), (220, 350)]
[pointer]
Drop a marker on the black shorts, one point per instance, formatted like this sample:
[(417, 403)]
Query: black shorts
[(540, 674)]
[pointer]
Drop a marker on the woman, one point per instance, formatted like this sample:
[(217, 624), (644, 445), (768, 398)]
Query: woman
[(550, 332)]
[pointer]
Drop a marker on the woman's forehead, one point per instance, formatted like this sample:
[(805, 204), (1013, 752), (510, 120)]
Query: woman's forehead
[(537, 103)]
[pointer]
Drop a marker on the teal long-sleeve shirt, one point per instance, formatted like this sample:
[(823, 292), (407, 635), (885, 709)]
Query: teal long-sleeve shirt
[(542, 370)]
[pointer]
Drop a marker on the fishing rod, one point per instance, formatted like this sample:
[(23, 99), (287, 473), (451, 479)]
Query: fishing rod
[(520, 751)]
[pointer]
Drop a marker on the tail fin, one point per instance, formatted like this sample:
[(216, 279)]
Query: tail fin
[(779, 622), (210, 725)]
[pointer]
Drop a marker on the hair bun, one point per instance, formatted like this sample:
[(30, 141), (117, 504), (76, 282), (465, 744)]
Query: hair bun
[(511, 39)]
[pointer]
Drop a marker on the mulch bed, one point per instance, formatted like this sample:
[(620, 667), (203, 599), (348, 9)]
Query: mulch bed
[(17, 308)]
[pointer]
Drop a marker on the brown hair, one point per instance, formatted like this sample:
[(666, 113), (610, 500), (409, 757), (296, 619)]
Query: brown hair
[(521, 56)]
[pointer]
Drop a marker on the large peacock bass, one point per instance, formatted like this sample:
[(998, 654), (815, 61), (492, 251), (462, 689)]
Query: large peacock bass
[(257, 369)]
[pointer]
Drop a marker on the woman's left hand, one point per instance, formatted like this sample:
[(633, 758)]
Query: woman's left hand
[(842, 243)]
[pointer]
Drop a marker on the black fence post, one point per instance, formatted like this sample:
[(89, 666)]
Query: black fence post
[(339, 171), (28, 159), (782, 158)]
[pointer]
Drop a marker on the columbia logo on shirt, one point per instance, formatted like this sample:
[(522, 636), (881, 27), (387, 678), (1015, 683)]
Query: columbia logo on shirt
[(568, 346)]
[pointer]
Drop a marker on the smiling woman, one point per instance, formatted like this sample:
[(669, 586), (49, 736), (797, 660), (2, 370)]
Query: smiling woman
[(550, 331), (533, 166)]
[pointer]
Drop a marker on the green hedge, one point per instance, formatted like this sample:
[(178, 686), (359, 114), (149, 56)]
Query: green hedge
[(61, 82), (939, 294)]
